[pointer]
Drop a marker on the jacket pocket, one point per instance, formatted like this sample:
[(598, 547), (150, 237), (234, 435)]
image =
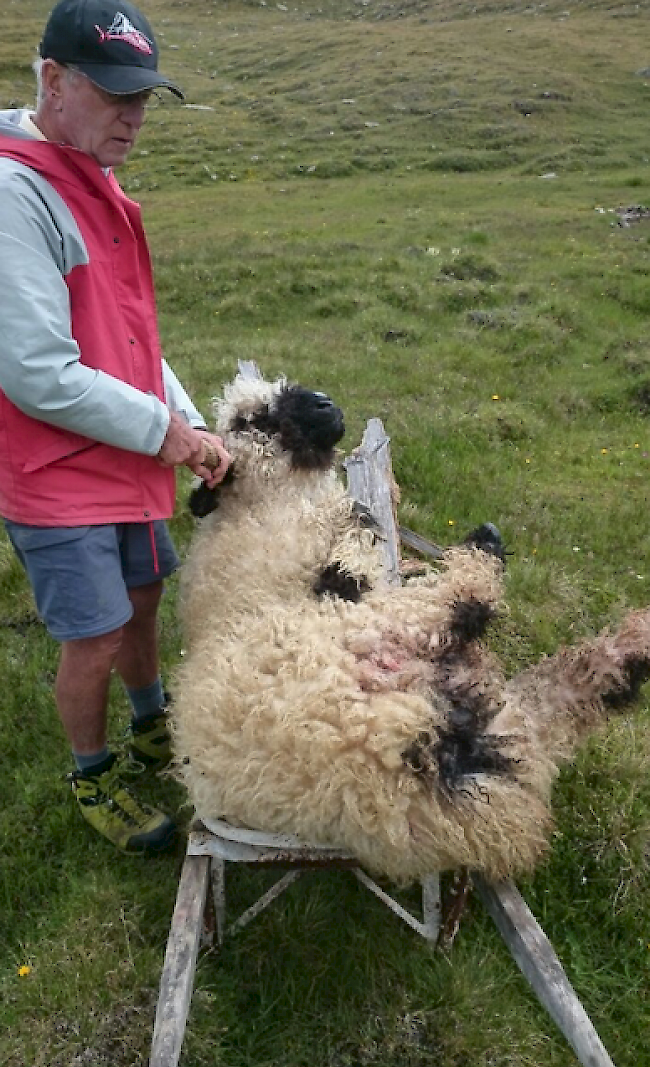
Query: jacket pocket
[(61, 448)]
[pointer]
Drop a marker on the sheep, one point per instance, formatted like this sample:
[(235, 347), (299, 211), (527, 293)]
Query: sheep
[(317, 700)]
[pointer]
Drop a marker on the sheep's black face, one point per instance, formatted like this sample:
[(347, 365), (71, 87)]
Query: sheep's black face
[(307, 425)]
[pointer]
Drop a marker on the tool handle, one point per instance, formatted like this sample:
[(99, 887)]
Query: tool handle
[(211, 460)]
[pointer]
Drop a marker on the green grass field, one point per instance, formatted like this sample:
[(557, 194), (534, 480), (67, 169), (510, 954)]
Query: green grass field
[(420, 208)]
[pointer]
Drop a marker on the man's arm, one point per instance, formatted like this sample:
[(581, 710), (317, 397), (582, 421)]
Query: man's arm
[(40, 371), (186, 422), (178, 400)]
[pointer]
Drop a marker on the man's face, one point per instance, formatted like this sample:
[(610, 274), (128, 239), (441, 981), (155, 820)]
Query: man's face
[(103, 125)]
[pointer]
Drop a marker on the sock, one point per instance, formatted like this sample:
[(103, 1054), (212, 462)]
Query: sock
[(96, 763), (147, 702)]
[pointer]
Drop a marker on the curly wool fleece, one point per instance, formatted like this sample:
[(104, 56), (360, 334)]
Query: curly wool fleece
[(379, 724)]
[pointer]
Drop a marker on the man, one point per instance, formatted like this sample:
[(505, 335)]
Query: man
[(92, 419)]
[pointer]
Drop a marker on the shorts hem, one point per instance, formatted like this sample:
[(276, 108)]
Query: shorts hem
[(97, 631), (161, 576)]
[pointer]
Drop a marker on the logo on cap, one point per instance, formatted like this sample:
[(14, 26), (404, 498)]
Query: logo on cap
[(122, 29)]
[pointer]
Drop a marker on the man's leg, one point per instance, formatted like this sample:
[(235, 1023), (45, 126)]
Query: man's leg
[(148, 557), (81, 690), (76, 576), (137, 658), (138, 665)]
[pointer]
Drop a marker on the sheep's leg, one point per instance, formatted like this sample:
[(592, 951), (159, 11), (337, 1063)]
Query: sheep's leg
[(493, 765), (568, 694)]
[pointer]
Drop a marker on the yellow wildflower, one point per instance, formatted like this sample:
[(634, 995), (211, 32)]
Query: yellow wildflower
[(24, 970)]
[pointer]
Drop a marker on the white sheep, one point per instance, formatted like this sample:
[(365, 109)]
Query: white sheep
[(317, 700)]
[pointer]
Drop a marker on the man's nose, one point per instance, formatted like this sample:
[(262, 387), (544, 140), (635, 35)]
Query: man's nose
[(133, 112)]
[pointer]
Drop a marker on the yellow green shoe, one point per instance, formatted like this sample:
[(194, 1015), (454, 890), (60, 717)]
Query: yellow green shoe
[(150, 743), (111, 809)]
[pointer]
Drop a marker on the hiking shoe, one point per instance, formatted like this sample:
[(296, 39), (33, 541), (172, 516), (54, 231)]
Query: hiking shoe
[(150, 743), (112, 810)]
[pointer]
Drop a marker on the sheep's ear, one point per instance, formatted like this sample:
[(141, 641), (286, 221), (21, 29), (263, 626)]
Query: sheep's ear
[(335, 581), (202, 501)]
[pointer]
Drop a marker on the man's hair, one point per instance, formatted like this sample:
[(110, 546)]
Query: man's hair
[(37, 67)]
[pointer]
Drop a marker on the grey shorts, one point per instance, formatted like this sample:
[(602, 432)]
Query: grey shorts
[(80, 575)]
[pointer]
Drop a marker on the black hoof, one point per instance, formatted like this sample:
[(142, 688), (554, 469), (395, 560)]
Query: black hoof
[(488, 539)]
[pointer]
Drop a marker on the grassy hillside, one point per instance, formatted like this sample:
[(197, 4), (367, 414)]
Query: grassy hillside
[(436, 212)]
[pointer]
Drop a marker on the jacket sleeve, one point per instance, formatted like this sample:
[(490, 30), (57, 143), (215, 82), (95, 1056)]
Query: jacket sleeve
[(178, 400), (40, 369)]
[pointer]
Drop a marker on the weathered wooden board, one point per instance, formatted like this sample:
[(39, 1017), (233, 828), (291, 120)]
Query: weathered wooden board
[(419, 543), (371, 482), (537, 961), (180, 963)]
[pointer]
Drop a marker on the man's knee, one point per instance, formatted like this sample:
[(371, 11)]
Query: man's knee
[(146, 599), (93, 653)]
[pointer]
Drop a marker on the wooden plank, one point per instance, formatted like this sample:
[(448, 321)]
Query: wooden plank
[(249, 369), (180, 963), (371, 482), (419, 543), (538, 963)]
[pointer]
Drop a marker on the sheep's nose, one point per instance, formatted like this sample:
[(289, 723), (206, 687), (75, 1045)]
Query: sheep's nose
[(326, 404)]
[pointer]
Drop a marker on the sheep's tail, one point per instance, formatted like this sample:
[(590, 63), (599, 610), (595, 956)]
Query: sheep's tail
[(568, 695)]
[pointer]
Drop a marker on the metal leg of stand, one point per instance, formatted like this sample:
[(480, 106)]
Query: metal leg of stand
[(430, 926), (264, 901)]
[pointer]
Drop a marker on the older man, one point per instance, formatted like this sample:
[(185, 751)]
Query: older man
[(92, 419)]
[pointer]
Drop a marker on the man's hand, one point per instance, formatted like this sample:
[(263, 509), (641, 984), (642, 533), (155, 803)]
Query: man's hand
[(214, 444), (185, 447)]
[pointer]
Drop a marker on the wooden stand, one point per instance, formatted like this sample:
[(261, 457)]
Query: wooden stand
[(210, 848)]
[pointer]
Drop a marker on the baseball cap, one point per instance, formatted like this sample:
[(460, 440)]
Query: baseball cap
[(111, 43)]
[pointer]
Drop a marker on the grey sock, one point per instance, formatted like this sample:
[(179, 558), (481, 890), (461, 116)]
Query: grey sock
[(94, 764), (148, 701)]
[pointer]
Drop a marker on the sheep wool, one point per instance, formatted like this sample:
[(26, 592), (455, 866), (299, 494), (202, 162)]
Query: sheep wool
[(315, 699)]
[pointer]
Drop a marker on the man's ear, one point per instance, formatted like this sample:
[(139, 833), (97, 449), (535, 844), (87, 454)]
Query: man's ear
[(52, 75)]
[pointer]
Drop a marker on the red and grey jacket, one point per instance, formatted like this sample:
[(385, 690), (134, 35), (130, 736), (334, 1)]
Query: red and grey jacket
[(84, 392)]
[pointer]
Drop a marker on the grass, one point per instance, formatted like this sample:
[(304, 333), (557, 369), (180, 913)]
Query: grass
[(416, 208)]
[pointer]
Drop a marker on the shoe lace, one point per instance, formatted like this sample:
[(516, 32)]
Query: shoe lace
[(122, 801), (156, 729), (117, 797)]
